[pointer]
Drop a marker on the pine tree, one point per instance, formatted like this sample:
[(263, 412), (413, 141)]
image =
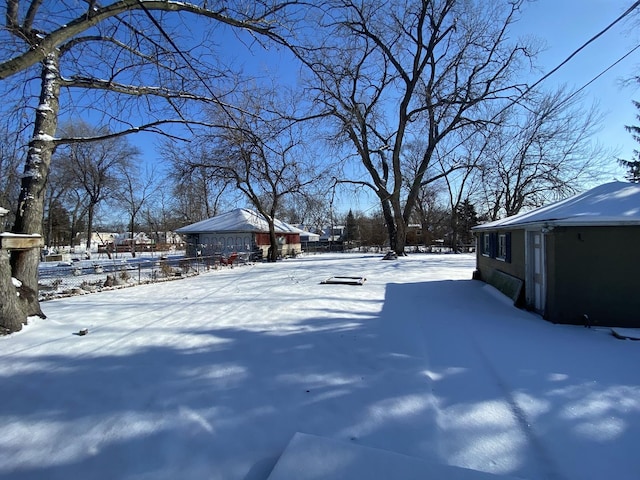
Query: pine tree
[(467, 218), (351, 233), (633, 166)]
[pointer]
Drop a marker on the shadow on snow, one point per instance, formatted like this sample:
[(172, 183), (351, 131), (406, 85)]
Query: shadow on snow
[(445, 372)]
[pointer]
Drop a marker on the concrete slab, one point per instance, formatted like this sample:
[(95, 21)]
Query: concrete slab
[(311, 457)]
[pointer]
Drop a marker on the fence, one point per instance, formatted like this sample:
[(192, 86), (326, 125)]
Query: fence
[(85, 276)]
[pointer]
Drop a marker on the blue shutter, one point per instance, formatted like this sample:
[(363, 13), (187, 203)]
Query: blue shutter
[(507, 241), (493, 244)]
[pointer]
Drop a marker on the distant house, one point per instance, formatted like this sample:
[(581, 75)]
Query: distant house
[(308, 240), (575, 261), (334, 234), (240, 230), (127, 238), (101, 239)]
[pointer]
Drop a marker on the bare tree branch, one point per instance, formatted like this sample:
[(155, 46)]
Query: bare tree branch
[(39, 46)]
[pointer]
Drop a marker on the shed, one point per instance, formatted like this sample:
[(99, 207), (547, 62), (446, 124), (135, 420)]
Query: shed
[(575, 261), (241, 230)]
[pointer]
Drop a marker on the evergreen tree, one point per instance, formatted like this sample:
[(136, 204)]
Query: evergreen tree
[(351, 233), (467, 218), (633, 166)]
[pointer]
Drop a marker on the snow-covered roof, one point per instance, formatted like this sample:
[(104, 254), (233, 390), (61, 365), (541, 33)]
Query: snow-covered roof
[(309, 236), (615, 203), (239, 220)]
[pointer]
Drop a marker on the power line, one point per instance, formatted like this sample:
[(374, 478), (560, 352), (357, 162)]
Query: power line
[(584, 45), (564, 62), (602, 73), (579, 49)]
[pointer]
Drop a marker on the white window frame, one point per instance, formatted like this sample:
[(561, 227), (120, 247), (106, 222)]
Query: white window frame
[(501, 253), (486, 244)]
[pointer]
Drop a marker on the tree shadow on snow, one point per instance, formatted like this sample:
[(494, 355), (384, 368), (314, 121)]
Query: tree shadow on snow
[(444, 372)]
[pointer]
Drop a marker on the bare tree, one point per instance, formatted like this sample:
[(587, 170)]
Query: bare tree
[(135, 188), (57, 224), (60, 189), (77, 206), (372, 229), (120, 49), (159, 213), (264, 153), (392, 72), (197, 193), (538, 151), (97, 169), (430, 212), (310, 208), (11, 159), (463, 184)]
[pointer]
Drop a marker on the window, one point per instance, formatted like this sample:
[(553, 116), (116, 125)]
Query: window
[(485, 248), (501, 254), (504, 247), (496, 245)]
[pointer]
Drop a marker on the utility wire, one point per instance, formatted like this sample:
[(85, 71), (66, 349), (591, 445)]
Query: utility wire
[(583, 46), (564, 62), (601, 73)]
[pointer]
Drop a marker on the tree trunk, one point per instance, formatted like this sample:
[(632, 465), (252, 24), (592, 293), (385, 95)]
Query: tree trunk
[(30, 210), (401, 232), (89, 225), (400, 227), (273, 241), (11, 316), (133, 241), (391, 224)]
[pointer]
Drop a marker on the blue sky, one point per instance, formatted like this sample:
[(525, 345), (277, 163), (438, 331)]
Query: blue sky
[(563, 26)]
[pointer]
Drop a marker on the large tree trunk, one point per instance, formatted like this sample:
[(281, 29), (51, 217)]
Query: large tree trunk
[(401, 227), (273, 241), (30, 211), (11, 316), (396, 225), (389, 221)]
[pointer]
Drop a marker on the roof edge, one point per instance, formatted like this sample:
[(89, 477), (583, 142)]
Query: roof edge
[(558, 223)]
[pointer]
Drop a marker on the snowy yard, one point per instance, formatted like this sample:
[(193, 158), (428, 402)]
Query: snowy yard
[(210, 377)]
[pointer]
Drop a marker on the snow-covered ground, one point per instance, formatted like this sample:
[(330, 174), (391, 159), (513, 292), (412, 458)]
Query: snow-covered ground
[(210, 377)]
